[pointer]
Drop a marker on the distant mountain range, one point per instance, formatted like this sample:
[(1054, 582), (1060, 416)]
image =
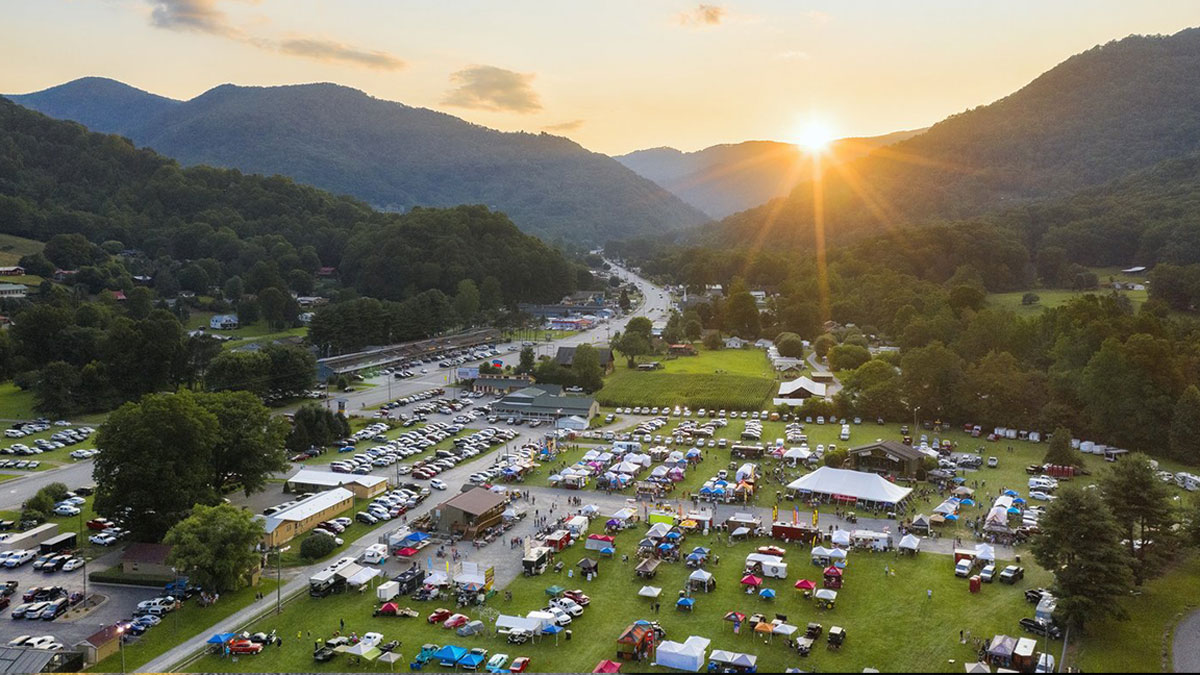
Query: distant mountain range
[(724, 179), (1099, 116), (388, 154)]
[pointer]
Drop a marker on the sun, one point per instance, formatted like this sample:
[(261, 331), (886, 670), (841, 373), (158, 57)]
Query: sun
[(814, 136)]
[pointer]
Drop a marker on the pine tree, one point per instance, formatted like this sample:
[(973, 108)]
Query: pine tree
[(1141, 505), (1060, 451), (1185, 427)]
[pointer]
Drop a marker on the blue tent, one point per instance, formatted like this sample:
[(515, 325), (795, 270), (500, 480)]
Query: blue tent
[(672, 535), (693, 453), (1018, 500), (695, 557), (951, 516), (1014, 510), (450, 654), (665, 547), (960, 480), (719, 491), (1011, 493), (685, 602), (701, 550), (220, 638), (967, 502), (766, 593), (552, 629), (705, 490), (416, 536), (608, 550)]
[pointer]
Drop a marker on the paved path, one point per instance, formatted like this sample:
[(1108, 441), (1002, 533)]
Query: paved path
[(1185, 647), (15, 492), (818, 367)]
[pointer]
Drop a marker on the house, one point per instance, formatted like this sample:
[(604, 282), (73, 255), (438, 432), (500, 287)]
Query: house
[(119, 296), (327, 271), (26, 660), (307, 301), (796, 391), (470, 512), (566, 357), (302, 516), (223, 322), (886, 457), (763, 343), (64, 275), (683, 349), (13, 291), (101, 644), (306, 318), (311, 480), (545, 402), (559, 310), (13, 271), (147, 560), (735, 342), (571, 423), (569, 323)]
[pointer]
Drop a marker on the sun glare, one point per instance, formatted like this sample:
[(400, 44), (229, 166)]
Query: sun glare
[(814, 136)]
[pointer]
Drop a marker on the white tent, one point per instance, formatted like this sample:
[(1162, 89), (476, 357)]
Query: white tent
[(658, 531), (700, 575), (985, 552), (623, 514), (650, 592), (687, 655), (797, 454), (843, 482), (590, 510), (837, 554), (820, 552), (841, 537), (517, 623), (363, 576), (910, 542)]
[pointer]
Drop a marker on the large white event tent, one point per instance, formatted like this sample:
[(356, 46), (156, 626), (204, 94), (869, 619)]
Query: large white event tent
[(842, 483)]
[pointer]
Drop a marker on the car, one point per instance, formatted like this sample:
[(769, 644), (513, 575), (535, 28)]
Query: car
[(988, 573), (42, 642), (366, 518), (560, 616), (519, 664), (568, 605), (244, 647), (437, 484), (102, 539), (19, 640), (18, 558), (18, 612), (54, 610), (1041, 496), (496, 663), (963, 568), (455, 620), (148, 620), (34, 610), (1040, 628), (41, 562), (993, 462), (438, 615), (66, 510), (1012, 574)]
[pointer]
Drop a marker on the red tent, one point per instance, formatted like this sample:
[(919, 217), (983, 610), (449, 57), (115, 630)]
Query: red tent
[(407, 552), (751, 580), (607, 666), (805, 585), (833, 571)]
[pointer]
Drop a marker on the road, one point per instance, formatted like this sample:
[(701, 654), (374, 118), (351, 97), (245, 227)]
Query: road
[(15, 492)]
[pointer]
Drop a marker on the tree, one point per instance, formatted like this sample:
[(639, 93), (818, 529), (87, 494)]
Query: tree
[(589, 374), (848, 357), (250, 443), (273, 303), (741, 316), (466, 301), (314, 426), (1080, 543), (836, 458), (491, 296), (930, 377), (526, 363), (154, 464), (712, 340), (1141, 505), (1059, 451), (139, 302), (874, 389), (214, 546), (624, 302), (823, 344), (1030, 299), (1185, 427), (632, 344), (56, 389), (790, 345), (641, 326), (673, 332), (317, 546), (693, 329)]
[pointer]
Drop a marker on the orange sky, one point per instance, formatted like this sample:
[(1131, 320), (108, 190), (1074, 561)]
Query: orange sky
[(615, 76)]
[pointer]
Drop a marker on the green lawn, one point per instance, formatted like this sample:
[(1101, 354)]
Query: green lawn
[(738, 379), (872, 607), (52, 458), (15, 404), (749, 361), (1053, 298), (179, 625), (13, 248)]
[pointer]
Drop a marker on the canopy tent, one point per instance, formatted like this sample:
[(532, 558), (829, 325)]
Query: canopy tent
[(407, 552), (702, 576), (837, 554), (554, 591), (740, 532), (978, 668), (590, 510), (751, 580), (921, 521), (450, 654), (367, 650), (607, 666), (784, 629), (416, 537), (517, 623), (805, 585), (650, 592), (363, 575), (736, 617), (767, 593), (733, 658), (220, 638), (686, 603), (985, 552), (857, 485), (827, 594), (841, 538), (910, 543), (687, 655)]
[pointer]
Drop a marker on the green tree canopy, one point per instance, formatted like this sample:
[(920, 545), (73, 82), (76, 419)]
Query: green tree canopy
[(214, 546), (1141, 506)]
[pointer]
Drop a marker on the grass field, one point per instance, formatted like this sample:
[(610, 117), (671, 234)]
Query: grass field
[(178, 626), (255, 332), (13, 248), (873, 608), (15, 404), (738, 379), (1053, 298)]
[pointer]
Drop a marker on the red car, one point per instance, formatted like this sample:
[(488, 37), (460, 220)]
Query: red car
[(519, 664), (439, 615), (244, 647), (456, 621), (99, 524), (579, 597)]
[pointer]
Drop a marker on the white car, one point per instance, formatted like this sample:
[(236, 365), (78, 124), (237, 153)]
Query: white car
[(1041, 496), (41, 642), (72, 564), (560, 617), (102, 539), (437, 484), (66, 510), (18, 558)]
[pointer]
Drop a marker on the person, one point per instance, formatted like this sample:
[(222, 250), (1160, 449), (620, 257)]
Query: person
[(342, 623), (929, 594)]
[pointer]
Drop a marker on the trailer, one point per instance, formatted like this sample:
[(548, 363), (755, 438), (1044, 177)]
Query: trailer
[(62, 542)]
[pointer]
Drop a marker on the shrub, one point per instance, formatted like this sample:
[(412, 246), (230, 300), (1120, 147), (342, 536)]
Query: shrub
[(317, 546)]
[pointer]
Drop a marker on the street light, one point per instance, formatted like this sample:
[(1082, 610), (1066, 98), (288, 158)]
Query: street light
[(121, 645)]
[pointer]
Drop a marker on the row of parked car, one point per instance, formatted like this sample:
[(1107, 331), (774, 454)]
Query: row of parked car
[(60, 439), (54, 562), (37, 426), (392, 505), (391, 451), (44, 603), (464, 448)]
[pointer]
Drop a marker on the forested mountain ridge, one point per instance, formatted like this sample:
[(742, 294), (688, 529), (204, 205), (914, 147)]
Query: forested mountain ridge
[(724, 179), (1097, 116), (57, 178), (390, 155)]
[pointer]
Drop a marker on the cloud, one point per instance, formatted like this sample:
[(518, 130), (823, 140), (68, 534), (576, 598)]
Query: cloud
[(793, 55), (327, 50), (204, 16), (703, 15), (492, 88), (573, 125), (195, 15)]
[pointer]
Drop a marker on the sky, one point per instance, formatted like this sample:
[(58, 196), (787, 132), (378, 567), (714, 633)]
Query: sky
[(615, 76)]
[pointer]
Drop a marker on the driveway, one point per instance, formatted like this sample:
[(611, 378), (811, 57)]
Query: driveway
[(1185, 648)]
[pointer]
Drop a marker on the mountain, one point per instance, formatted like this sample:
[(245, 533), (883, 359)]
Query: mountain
[(57, 178), (725, 179), (391, 155), (1094, 118)]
